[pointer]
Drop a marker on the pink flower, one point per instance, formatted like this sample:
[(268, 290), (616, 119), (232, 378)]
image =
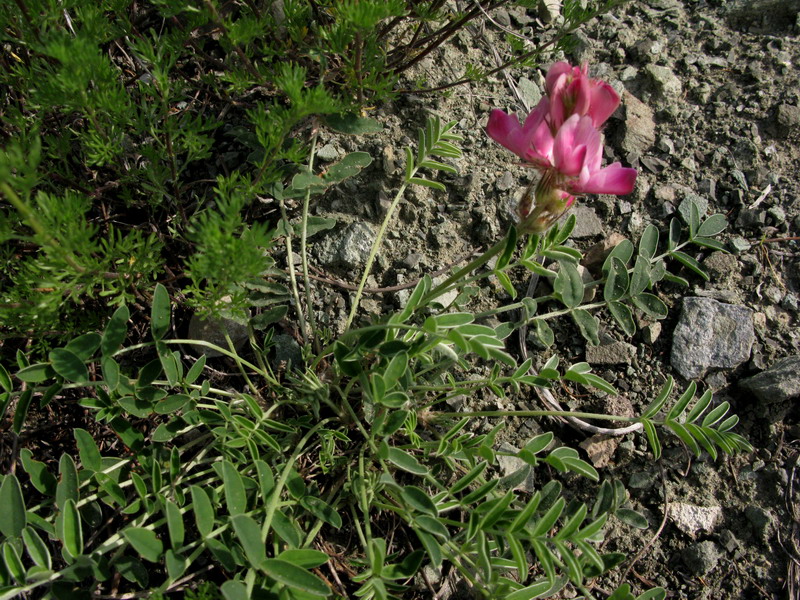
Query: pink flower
[(573, 155), (577, 155), (571, 92)]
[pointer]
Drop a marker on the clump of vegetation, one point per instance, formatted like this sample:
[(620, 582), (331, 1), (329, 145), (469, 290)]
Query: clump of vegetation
[(339, 476)]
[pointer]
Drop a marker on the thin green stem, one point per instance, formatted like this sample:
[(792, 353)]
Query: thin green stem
[(292, 274), (374, 250), (464, 271), (304, 248), (533, 413), (275, 497)]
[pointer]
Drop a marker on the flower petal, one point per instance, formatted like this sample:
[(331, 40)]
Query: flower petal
[(507, 131), (614, 179), (603, 102)]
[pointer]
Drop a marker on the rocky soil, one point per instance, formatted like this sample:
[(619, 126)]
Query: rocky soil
[(711, 111)]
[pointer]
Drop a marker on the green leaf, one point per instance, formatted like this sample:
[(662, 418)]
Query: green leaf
[(295, 577), (352, 124), (234, 590), (21, 412), (405, 461), (467, 479), (36, 373), (640, 278), (174, 523), (684, 434), (41, 478), (544, 332), (145, 542), (67, 488), (235, 495), (88, 451), (264, 319), (14, 565), (655, 406), (286, 529), (5, 382), (70, 531), (712, 226), (508, 251), (548, 520), (690, 263), (505, 281), (12, 515), (651, 305), (426, 183), (568, 284), (322, 510), (588, 325), (674, 234), (196, 369), (68, 365), (306, 558), (203, 510), (616, 285), (622, 252), (84, 346), (115, 332), (648, 244), (710, 243), (623, 316), (171, 404), (699, 407), (632, 518), (160, 312), (683, 402), (249, 533), (419, 500), (716, 414), (432, 547), (652, 437), (36, 547), (653, 594)]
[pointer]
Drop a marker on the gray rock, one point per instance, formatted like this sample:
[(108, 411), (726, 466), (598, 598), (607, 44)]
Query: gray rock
[(511, 465), (506, 181), (328, 153), (711, 335), (349, 248), (549, 10), (763, 15), (666, 84), (615, 353), (690, 518), (779, 383), (214, 330), (288, 354), (702, 558), (640, 127), (787, 119), (685, 207), (588, 224), (739, 244), (751, 218), (529, 91)]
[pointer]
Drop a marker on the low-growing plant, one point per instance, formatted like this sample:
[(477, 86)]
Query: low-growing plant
[(343, 476), (129, 129)]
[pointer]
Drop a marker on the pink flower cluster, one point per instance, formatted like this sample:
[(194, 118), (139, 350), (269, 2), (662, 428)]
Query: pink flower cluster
[(561, 138)]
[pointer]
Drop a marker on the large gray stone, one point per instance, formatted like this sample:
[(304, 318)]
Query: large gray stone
[(702, 558), (640, 127), (348, 248), (779, 383), (587, 222), (711, 335)]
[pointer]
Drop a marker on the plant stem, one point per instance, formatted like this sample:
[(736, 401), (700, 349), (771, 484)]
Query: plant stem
[(374, 250), (534, 413), (304, 248), (292, 274), (464, 271)]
